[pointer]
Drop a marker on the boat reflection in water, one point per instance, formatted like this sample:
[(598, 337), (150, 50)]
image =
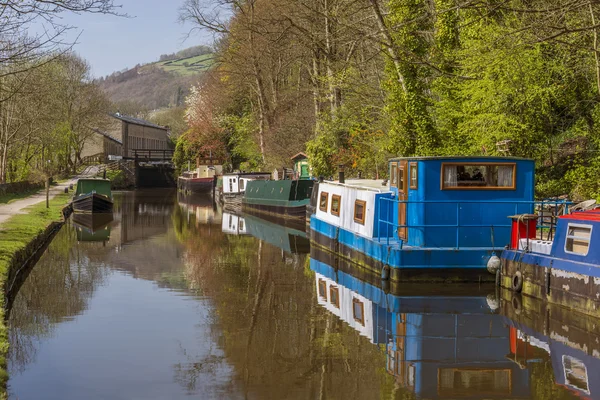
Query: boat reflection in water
[(92, 227), (289, 237), (202, 207), (445, 343), (542, 332)]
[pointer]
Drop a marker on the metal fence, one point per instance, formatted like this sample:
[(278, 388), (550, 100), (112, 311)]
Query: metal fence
[(547, 211)]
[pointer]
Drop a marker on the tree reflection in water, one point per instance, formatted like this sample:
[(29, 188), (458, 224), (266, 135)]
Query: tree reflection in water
[(57, 289), (280, 342)]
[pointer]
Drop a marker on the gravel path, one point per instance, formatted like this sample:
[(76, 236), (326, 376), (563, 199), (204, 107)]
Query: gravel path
[(17, 207)]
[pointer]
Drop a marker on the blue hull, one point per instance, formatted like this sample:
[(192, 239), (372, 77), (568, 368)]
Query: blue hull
[(428, 264)]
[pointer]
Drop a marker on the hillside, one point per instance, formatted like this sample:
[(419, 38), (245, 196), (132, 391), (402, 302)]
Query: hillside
[(160, 84)]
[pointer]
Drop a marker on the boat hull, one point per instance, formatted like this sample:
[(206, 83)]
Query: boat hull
[(556, 281), (406, 264), (92, 203), (285, 199), (196, 185)]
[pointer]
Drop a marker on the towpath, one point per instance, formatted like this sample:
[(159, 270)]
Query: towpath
[(17, 207)]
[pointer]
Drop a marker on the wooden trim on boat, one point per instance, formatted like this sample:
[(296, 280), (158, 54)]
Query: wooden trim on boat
[(321, 206), (415, 166), (339, 204), (364, 205), (512, 187)]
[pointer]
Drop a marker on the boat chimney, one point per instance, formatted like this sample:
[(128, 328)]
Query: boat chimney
[(341, 173)]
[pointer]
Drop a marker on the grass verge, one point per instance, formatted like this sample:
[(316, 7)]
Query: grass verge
[(15, 234)]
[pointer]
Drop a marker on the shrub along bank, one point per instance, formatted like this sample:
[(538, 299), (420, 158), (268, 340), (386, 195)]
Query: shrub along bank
[(20, 237)]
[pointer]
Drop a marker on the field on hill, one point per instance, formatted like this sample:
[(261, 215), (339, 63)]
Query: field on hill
[(186, 66), (157, 85)]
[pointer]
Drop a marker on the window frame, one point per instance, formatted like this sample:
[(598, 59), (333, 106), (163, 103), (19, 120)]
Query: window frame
[(413, 165), (394, 174), (335, 289), (321, 207), (339, 199), (322, 284), (356, 301), (589, 239), (491, 164), (364, 205)]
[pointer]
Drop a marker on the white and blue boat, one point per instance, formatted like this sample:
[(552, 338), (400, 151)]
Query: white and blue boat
[(438, 219)]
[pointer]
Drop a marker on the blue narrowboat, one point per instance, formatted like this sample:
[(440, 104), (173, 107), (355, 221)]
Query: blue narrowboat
[(448, 345), (564, 271), (438, 219)]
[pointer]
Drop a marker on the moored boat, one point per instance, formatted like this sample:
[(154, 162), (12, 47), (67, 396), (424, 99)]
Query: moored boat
[(440, 218), (285, 198), (565, 270), (202, 180), (92, 196), (234, 187)]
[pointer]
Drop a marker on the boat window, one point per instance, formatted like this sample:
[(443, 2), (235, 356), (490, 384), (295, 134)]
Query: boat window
[(576, 373), (401, 179), (360, 210), (358, 311), (241, 224), (394, 174), (323, 201), (230, 220), (334, 296), (414, 175), (578, 239), (323, 289), (242, 184), (231, 185), (335, 204), (478, 176), (466, 381)]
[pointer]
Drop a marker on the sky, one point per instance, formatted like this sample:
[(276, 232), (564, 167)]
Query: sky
[(110, 43)]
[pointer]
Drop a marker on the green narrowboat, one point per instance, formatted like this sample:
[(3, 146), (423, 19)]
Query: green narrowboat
[(285, 198), (93, 196)]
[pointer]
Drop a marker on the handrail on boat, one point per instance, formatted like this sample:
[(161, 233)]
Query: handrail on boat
[(545, 222)]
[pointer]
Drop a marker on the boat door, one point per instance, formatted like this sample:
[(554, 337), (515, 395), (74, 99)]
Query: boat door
[(402, 195)]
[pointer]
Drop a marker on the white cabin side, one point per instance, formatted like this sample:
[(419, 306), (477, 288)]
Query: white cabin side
[(237, 183), (350, 198), (233, 224), (350, 307), (231, 184)]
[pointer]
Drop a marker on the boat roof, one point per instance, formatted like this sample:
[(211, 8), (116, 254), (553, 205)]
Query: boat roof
[(590, 215), (364, 184), (93, 179), (425, 158), (246, 173)]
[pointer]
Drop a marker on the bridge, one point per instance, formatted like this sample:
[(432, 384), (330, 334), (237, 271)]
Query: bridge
[(154, 168)]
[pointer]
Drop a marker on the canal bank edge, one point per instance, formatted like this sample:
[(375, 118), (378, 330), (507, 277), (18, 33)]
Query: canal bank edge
[(22, 239)]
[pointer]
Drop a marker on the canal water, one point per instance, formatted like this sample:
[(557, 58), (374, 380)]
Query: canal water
[(174, 299)]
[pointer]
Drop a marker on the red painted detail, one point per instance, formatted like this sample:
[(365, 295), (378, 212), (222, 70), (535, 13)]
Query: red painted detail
[(513, 340), (592, 215), (522, 230)]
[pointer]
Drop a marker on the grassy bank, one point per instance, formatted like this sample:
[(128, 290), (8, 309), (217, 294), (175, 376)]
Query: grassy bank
[(15, 234)]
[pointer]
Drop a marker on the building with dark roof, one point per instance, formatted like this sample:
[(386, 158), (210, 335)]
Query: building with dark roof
[(124, 136)]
